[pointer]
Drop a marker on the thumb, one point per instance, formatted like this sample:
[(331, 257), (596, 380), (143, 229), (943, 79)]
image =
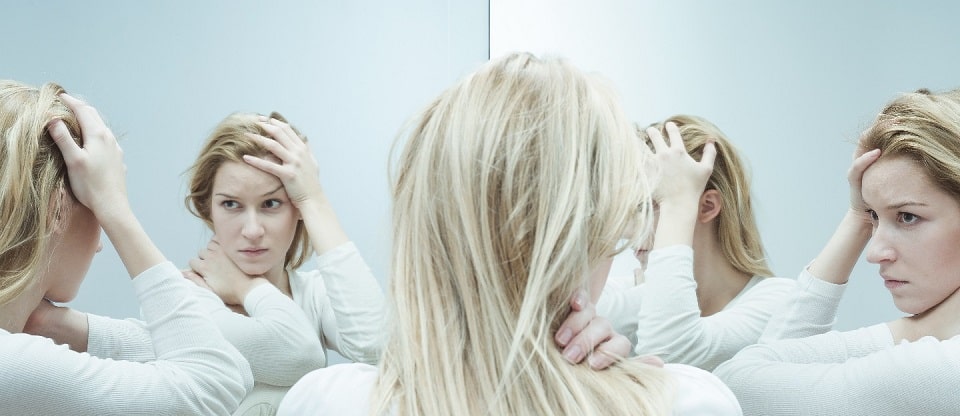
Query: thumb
[(61, 136)]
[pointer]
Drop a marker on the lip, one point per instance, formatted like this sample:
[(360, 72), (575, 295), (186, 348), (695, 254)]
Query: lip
[(253, 252), (892, 283), (640, 252)]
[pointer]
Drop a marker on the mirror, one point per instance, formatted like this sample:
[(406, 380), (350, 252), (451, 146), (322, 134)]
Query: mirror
[(347, 74), (791, 83)]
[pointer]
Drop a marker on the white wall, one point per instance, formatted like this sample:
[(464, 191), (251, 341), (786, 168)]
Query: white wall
[(791, 83), (347, 74)]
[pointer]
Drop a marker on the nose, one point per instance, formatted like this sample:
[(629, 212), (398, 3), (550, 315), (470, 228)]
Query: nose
[(880, 251), (252, 227)]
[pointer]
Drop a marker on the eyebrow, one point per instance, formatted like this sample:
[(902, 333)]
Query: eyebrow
[(905, 204), (263, 195)]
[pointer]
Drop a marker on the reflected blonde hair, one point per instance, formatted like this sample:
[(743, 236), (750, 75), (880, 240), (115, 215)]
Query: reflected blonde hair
[(32, 177), (924, 127), (228, 143), (513, 185), (737, 227)]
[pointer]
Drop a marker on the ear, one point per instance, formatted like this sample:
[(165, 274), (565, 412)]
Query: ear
[(710, 205)]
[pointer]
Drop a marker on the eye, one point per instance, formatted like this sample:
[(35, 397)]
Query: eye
[(230, 204), (873, 215), (272, 203), (907, 218)]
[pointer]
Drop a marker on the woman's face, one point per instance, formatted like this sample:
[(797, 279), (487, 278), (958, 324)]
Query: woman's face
[(74, 243), (253, 219), (916, 232)]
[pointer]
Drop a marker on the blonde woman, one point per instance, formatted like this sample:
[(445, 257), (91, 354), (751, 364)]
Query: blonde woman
[(513, 186), (905, 200), (255, 183), (709, 293), (62, 180)]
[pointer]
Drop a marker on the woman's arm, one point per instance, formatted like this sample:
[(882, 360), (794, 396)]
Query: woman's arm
[(846, 373), (669, 323), (349, 303)]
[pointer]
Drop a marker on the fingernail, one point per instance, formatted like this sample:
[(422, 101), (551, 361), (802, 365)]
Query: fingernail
[(573, 354), (579, 301), (564, 336)]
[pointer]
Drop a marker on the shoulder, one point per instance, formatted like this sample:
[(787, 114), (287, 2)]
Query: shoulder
[(342, 389), (698, 392), (770, 285)]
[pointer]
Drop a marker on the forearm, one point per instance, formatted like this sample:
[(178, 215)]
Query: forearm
[(835, 262), (322, 224), (132, 243)]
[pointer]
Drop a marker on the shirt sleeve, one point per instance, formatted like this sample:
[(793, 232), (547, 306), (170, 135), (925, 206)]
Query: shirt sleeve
[(811, 309), (847, 373), (196, 372), (353, 311), (669, 323)]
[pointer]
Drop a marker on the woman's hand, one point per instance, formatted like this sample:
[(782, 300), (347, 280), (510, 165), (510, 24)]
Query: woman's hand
[(678, 191), (298, 171), (214, 270), (681, 177), (61, 324), (96, 170), (585, 335), (862, 160), (297, 168)]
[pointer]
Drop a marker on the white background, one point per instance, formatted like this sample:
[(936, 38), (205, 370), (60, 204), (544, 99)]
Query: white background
[(792, 83)]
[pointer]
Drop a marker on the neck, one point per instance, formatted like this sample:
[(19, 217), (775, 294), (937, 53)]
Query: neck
[(940, 322), (718, 282), (14, 314), (279, 278)]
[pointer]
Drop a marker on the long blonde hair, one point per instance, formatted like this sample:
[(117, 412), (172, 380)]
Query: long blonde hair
[(228, 143), (32, 178), (925, 127), (513, 185), (737, 227)]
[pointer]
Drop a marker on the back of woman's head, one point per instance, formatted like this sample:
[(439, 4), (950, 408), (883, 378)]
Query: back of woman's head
[(512, 186), (33, 180), (736, 225), (228, 143), (924, 127)]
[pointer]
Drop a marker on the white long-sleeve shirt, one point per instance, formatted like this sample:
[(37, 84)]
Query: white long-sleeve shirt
[(197, 371), (860, 372), (662, 315), (345, 390), (339, 306)]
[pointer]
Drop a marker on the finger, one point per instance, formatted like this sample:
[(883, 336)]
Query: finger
[(657, 139), (673, 133), (61, 136), (266, 165), (90, 122), (196, 265), (273, 146), (579, 300), (609, 352), (575, 323), (282, 133), (213, 246), (709, 154), (595, 333), (861, 163)]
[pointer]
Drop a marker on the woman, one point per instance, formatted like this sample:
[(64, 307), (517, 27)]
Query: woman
[(513, 186), (905, 192), (710, 294), (51, 231)]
